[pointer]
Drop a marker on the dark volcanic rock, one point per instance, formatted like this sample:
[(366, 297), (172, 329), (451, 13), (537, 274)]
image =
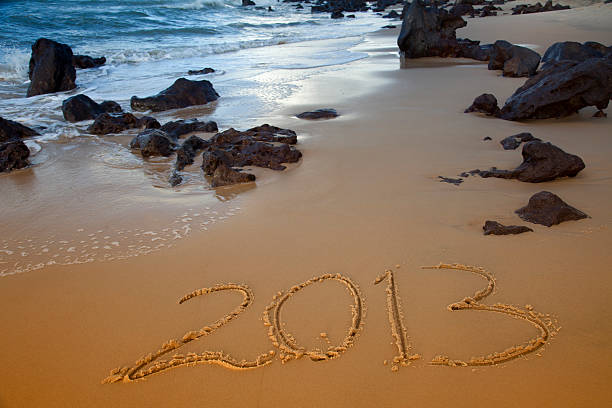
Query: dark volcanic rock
[(217, 165), (548, 209), (263, 133), (201, 71), (153, 142), (573, 51), (392, 14), (455, 181), (85, 61), (538, 8), (11, 131), (179, 128), (462, 10), (429, 32), (541, 162), (318, 114), (51, 68), (13, 155), (81, 107), (513, 60), (495, 228), (106, 123), (485, 103), (188, 151), (337, 14), (514, 141), (600, 114), (248, 3), (175, 179), (181, 94), (561, 90)]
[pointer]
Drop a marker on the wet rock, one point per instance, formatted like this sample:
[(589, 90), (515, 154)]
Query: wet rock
[(538, 8), (473, 49), (13, 155), (225, 175), (175, 179), (153, 142), (106, 123), (573, 51), (462, 10), (51, 68), (548, 209), (392, 14), (486, 138), (600, 114), (81, 107), (495, 228), (485, 103), (246, 3), (488, 11), (350, 16), (388, 26), (337, 14), (513, 60), (541, 162), (203, 71), (429, 32), (179, 128), (263, 133), (186, 154), (181, 94), (85, 61), (455, 181), (561, 90), (12, 131), (319, 114), (514, 141)]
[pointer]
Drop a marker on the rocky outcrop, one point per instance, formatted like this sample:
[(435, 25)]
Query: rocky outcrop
[(325, 113), (181, 94), (85, 61), (153, 142), (561, 90), (495, 228), (548, 209), (514, 141), (485, 103), (538, 8), (13, 155), (82, 107), (541, 162), (179, 128), (216, 166), (51, 68), (203, 71), (513, 60), (12, 131), (106, 123), (186, 154), (573, 51)]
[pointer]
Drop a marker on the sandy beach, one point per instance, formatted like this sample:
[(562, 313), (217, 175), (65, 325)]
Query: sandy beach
[(365, 198)]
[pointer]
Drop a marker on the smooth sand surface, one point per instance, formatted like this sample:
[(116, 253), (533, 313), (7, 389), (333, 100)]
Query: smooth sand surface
[(365, 198)]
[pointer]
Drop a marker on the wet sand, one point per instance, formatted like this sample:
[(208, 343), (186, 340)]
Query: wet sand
[(364, 199)]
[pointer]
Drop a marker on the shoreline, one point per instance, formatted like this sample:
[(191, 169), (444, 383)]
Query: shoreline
[(364, 198)]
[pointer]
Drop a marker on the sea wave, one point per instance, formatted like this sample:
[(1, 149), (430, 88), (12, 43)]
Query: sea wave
[(14, 64)]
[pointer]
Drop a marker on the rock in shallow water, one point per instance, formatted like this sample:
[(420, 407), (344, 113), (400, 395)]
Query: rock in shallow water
[(181, 94), (548, 209), (82, 107), (541, 162), (106, 123), (51, 68), (13, 155), (178, 128), (153, 142), (495, 228), (325, 113), (85, 61), (11, 131)]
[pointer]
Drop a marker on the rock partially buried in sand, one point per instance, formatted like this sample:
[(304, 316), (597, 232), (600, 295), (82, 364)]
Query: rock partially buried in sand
[(546, 208), (449, 180), (106, 123), (495, 228), (216, 164), (514, 141), (202, 71), (82, 107), (13, 155), (179, 128), (541, 162), (12, 131), (153, 142), (325, 113), (85, 61), (188, 151), (485, 103), (513, 60), (181, 94), (573, 51), (51, 68), (561, 90)]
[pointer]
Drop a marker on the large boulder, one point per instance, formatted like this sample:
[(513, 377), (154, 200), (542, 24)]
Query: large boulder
[(85, 61), (429, 32), (13, 155), (51, 68), (178, 128), (82, 107), (513, 60), (106, 123), (541, 162), (181, 94), (573, 51), (561, 90), (548, 209), (153, 142), (11, 131)]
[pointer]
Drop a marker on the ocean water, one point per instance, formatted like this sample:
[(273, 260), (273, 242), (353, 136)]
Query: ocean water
[(258, 54)]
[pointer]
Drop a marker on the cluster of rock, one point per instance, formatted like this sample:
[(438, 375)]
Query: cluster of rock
[(538, 8), (13, 152)]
